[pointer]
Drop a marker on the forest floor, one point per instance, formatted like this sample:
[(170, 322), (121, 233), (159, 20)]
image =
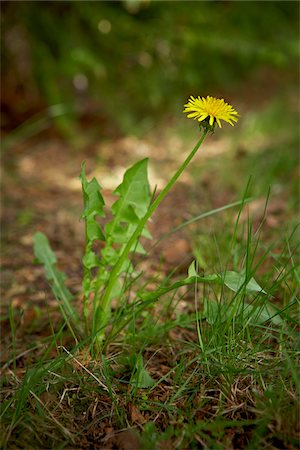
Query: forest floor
[(186, 408)]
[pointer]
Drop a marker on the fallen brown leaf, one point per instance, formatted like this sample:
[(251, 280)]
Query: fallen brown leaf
[(135, 414)]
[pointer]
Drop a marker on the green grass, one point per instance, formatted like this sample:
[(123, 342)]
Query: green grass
[(203, 367)]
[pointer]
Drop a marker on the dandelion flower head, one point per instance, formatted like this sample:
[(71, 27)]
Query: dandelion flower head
[(210, 110)]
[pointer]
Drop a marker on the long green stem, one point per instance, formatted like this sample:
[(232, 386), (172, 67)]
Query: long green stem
[(115, 271)]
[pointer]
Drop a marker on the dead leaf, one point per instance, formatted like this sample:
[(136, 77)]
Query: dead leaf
[(135, 414)]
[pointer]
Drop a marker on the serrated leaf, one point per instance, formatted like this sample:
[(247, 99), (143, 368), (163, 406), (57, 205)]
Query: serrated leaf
[(93, 231), (93, 208), (45, 255), (92, 198), (90, 260), (110, 255), (128, 210), (134, 192), (131, 206)]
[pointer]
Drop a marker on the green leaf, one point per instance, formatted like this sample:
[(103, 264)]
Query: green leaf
[(93, 208), (192, 270), (90, 260), (236, 281), (213, 310), (134, 192), (141, 377), (186, 282), (253, 314), (131, 206), (258, 315), (233, 280), (45, 255)]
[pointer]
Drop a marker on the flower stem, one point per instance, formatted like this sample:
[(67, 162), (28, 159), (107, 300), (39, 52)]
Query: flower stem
[(105, 301)]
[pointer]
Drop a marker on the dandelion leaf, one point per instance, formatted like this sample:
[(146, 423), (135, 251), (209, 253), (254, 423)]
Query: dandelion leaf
[(212, 310), (237, 281), (93, 207), (253, 314), (45, 256), (129, 208), (141, 377), (233, 280), (259, 314)]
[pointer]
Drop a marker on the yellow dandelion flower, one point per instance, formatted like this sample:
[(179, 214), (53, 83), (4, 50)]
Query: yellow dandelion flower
[(210, 110)]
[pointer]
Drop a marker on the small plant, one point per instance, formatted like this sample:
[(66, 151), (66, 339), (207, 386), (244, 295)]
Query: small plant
[(109, 273)]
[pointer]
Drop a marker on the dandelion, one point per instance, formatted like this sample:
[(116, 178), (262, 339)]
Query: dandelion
[(210, 110)]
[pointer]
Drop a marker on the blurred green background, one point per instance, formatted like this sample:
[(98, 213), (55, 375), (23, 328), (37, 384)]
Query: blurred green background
[(131, 64), (93, 72)]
